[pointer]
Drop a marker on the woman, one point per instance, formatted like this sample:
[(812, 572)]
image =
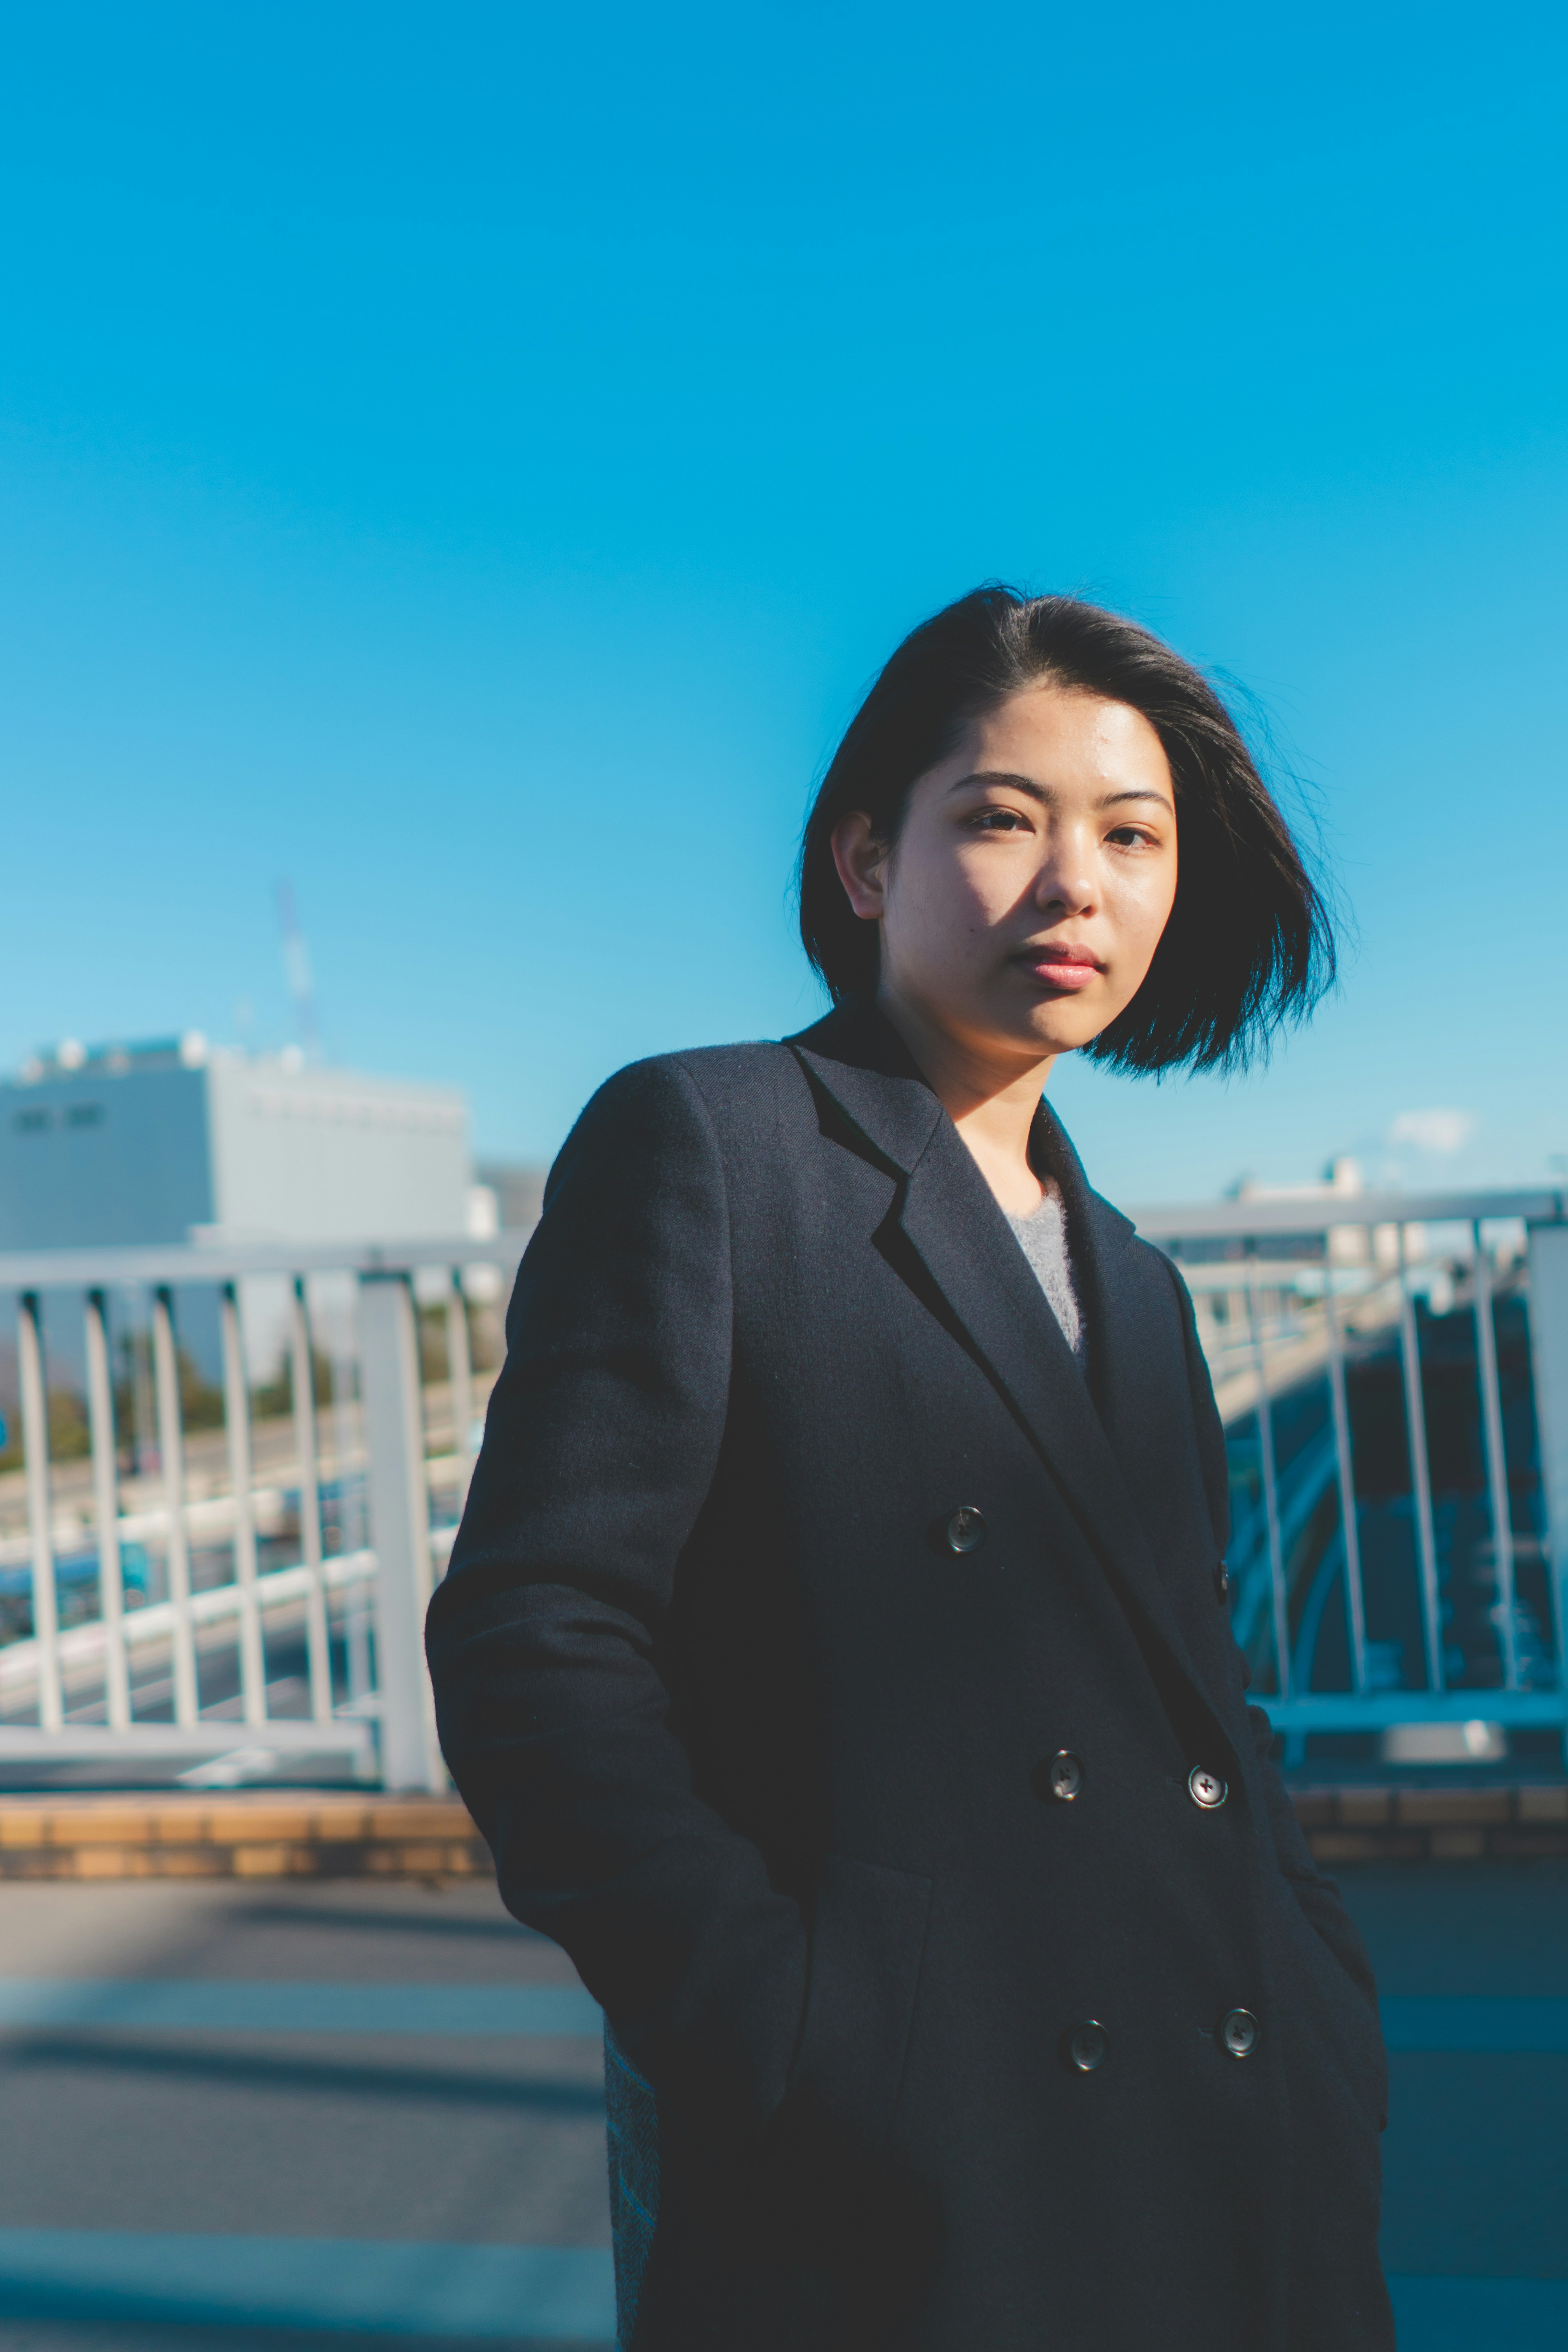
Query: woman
[(835, 1652)]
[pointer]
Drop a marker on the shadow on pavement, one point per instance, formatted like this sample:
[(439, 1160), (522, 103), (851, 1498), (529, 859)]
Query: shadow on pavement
[(122, 2336), (123, 2055)]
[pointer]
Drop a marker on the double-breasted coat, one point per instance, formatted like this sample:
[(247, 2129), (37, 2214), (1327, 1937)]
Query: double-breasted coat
[(846, 1680)]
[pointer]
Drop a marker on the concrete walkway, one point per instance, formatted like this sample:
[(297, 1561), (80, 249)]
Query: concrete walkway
[(369, 2108), (359, 2109), (1476, 2157)]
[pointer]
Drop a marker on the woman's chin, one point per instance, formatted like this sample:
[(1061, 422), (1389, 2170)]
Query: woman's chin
[(1063, 1027)]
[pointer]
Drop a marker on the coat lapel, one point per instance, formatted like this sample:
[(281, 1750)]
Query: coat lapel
[(1139, 1364), (1124, 1298), (950, 1219)]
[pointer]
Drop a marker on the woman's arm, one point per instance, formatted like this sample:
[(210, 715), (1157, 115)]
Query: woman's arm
[(1318, 1896), (547, 1636)]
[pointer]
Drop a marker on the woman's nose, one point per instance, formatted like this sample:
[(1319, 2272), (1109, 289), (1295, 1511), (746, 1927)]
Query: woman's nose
[(1064, 881)]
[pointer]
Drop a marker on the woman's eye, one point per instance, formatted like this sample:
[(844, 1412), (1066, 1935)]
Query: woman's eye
[(999, 819), (1127, 836)]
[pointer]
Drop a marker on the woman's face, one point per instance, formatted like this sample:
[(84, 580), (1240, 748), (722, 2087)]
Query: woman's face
[(1022, 903)]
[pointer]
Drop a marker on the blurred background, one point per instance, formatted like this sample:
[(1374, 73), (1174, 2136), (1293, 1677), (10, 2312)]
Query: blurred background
[(469, 465), (460, 470)]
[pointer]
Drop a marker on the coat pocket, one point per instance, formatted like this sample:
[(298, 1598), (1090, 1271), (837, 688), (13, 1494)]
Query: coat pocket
[(1335, 2015), (867, 1942)]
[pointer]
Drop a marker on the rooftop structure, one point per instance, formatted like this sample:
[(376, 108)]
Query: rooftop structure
[(169, 1142)]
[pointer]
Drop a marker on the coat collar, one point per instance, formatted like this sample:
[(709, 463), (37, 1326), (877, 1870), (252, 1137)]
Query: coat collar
[(866, 1066), (950, 1218)]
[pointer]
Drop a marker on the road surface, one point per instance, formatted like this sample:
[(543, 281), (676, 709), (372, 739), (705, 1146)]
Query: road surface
[(371, 2111)]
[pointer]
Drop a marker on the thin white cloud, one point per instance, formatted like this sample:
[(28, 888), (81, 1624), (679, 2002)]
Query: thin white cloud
[(1440, 1131)]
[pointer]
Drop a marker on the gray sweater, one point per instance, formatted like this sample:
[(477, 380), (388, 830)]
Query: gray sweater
[(1043, 1237)]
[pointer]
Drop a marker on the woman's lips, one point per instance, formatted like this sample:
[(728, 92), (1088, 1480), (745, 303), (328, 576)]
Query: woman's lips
[(1066, 968)]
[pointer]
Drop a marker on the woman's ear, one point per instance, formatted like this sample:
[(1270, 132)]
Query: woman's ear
[(861, 860)]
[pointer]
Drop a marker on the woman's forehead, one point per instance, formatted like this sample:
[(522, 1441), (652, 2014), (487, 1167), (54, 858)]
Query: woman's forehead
[(1053, 735)]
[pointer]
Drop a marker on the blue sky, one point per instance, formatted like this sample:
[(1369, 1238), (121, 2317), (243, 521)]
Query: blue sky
[(470, 460)]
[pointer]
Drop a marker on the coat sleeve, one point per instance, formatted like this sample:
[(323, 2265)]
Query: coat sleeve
[(1318, 1895), (548, 1640)]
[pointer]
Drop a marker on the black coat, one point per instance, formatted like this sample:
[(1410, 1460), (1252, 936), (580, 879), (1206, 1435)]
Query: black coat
[(771, 1758)]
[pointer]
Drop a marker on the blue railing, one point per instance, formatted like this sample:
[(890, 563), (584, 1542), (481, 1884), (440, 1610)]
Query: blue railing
[(1393, 1372)]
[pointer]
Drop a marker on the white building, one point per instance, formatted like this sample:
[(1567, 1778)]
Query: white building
[(166, 1142)]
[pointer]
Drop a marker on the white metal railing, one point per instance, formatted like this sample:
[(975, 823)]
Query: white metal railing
[(229, 1523), (1291, 1294), (247, 1600)]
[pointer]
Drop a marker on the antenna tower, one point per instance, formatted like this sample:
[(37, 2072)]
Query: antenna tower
[(297, 970)]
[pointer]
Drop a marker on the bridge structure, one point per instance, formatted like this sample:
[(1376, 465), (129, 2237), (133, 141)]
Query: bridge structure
[(222, 1581), (1392, 1374), (245, 2109)]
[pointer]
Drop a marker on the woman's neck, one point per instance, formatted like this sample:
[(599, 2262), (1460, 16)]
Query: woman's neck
[(991, 1100)]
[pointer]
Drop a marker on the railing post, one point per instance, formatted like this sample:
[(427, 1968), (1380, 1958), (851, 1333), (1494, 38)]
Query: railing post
[(106, 1505), (399, 1529), (302, 1382), (1279, 1593), (460, 1384), (172, 1452), (1549, 1353), (36, 1459), (1420, 1476), (1344, 1465), (1496, 1462), (237, 1425), (347, 1438)]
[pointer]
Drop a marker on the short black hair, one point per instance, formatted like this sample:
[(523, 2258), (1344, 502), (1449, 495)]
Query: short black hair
[(1250, 940)]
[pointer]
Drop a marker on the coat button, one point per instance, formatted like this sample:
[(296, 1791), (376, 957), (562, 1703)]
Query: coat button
[(1205, 1788), (1221, 1582), (965, 1530), (1239, 2033), (1088, 2046), (1058, 1780)]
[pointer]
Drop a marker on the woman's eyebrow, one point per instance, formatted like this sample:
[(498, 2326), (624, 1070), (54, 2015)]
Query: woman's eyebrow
[(1044, 793), (1134, 793), (1001, 776)]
